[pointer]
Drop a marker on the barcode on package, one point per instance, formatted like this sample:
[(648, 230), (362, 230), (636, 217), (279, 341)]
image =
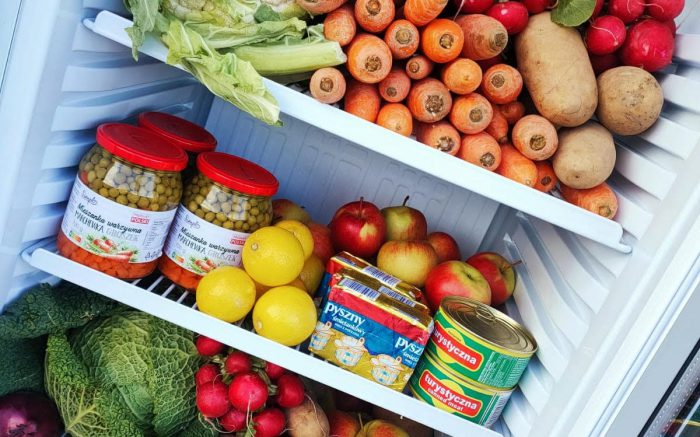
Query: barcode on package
[(386, 278), (397, 296), (362, 289)]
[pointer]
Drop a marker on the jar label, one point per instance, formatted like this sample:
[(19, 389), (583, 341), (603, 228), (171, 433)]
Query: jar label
[(199, 246), (111, 230)]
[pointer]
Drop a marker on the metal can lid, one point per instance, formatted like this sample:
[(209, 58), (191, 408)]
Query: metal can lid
[(237, 173), (489, 325), (184, 133)]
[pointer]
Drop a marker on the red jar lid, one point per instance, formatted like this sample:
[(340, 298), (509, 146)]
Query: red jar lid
[(141, 147), (189, 136), (237, 173)]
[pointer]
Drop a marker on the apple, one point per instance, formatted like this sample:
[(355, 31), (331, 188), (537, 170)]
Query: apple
[(404, 223), (343, 424), (445, 246), (381, 428), (323, 246), (498, 272), (410, 261), (414, 429), (358, 227), (456, 278), (285, 209)]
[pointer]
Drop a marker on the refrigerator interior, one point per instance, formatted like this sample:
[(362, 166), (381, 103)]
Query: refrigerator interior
[(600, 315)]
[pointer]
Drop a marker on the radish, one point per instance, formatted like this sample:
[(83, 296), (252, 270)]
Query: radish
[(626, 10), (535, 6), (290, 391), (273, 370), (671, 26), (269, 423), (604, 62), (649, 45), (234, 420), (597, 8), (605, 35), (211, 399), (237, 362), (208, 346), (472, 6), (206, 373), (247, 392), (512, 15), (664, 10)]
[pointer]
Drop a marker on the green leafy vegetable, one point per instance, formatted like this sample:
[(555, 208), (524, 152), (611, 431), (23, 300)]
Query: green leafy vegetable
[(279, 10), (573, 13), (218, 37), (145, 14), (21, 365)]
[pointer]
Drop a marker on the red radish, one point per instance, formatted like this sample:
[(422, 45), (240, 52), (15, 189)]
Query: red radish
[(649, 45), (597, 8), (206, 373), (512, 15), (605, 35), (290, 391), (247, 392), (535, 6), (671, 26), (234, 420), (28, 414), (211, 399), (604, 62), (237, 362), (269, 423), (664, 10), (472, 6), (626, 10), (208, 346), (273, 370)]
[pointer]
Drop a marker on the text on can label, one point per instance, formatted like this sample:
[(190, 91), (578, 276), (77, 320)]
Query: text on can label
[(464, 355), (463, 404)]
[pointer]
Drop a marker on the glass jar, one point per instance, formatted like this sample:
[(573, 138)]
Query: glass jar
[(227, 200), (191, 137), (123, 202)]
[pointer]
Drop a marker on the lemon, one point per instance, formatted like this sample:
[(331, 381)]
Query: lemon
[(312, 273), (262, 289), (226, 293), (301, 232), (285, 314), (272, 256)]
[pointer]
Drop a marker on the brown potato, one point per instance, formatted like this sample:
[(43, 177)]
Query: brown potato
[(307, 420), (629, 100), (585, 157), (557, 72)]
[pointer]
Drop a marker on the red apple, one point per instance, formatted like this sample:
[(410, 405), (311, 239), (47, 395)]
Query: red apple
[(445, 246), (404, 223), (410, 261), (456, 278), (343, 424), (498, 272), (285, 209), (359, 228), (323, 246)]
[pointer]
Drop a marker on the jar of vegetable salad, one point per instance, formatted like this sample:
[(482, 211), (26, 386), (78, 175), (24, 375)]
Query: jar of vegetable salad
[(227, 200), (123, 202)]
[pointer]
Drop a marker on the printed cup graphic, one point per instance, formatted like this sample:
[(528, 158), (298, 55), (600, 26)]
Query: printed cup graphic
[(321, 335), (385, 369), (348, 350)]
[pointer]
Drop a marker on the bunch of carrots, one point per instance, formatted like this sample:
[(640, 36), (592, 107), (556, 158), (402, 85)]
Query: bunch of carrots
[(443, 80)]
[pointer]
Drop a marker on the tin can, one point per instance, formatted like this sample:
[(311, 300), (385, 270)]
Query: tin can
[(438, 386), (480, 343)]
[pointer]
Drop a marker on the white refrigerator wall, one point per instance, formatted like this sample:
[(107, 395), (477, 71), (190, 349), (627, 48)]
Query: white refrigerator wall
[(586, 304)]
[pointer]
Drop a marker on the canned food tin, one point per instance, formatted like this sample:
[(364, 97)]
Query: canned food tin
[(480, 343), (438, 386)]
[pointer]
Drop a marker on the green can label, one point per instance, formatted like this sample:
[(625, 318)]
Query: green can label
[(469, 356), (435, 386)]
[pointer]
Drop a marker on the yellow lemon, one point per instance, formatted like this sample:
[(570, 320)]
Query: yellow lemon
[(312, 273), (262, 289), (272, 256), (301, 232), (226, 293), (285, 314)]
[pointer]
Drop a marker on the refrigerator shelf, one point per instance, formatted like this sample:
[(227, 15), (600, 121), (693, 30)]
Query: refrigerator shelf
[(406, 150), (158, 296)]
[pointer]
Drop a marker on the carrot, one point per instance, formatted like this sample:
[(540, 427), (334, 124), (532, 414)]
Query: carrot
[(369, 58), (502, 84), (516, 166), (327, 85), (484, 37), (374, 15), (461, 76), (318, 7), (396, 117), (422, 12), (429, 100), (535, 137), (441, 135), (512, 111), (442, 40), (600, 199), (471, 113), (362, 100), (402, 38), (546, 179), (419, 67), (498, 128), (394, 88), (482, 150), (340, 25)]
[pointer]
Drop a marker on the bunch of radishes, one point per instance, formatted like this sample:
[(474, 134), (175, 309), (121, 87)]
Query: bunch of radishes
[(240, 393), (632, 32), (513, 15)]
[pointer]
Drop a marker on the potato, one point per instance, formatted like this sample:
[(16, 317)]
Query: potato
[(307, 420), (557, 72), (585, 157), (629, 100)]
